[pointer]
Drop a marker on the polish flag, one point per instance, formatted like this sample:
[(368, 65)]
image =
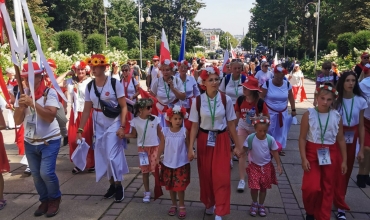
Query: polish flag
[(275, 61), (165, 49), (233, 53)]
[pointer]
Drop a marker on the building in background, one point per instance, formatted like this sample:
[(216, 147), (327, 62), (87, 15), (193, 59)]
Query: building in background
[(212, 38)]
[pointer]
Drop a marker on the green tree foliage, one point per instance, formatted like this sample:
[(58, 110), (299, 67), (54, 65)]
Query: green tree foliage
[(95, 43), (120, 43), (343, 43), (247, 43), (361, 40), (69, 40), (231, 39), (175, 51)]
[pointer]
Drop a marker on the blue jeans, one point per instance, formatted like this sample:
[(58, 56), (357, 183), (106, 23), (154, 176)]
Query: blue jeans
[(42, 159)]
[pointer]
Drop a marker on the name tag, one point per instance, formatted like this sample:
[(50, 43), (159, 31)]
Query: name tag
[(211, 140), (323, 155), (349, 136), (144, 159), (80, 107), (30, 130)]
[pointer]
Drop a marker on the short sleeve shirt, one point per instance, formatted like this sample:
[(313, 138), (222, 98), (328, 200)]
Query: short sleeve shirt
[(151, 136), (359, 103), (163, 93), (262, 77), (260, 152)]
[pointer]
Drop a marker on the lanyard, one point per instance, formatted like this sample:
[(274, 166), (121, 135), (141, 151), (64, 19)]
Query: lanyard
[(349, 119), (184, 83), (214, 109), (326, 126), (236, 88), (146, 126), (167, 91)]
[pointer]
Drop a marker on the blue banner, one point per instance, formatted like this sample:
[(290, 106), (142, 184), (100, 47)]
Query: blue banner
[(183, 39)]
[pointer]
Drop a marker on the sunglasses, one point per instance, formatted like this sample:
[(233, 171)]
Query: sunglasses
[(148, 107), (366, 58), (126, 70)]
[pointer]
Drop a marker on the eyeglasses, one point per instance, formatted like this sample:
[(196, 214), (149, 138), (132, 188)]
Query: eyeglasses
[(216, 80), (148, 107), (126, 70)]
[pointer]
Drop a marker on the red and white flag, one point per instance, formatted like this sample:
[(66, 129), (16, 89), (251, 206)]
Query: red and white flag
[(275, 61), (165, 49), (233, 53)]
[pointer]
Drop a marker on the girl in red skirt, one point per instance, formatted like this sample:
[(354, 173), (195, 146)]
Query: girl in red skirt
[(211, 113), (351, 104), (4, 162), (261, 171), (175, 171), (321, 137)]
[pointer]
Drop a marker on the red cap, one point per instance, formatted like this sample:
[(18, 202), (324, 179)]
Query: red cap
[(36, 68), (251, 83), (155, 57), (52, 63), (364, 54)]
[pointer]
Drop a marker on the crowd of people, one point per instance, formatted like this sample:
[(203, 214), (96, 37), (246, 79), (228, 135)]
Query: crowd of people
[(214, 113)]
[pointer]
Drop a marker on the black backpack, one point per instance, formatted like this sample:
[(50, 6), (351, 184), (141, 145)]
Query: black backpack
[(260, 103), (112, 81)]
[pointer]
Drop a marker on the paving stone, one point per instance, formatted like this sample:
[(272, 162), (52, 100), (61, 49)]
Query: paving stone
[(137, 200), (287, 195), (25, 196), (294, 217), (243, 207), (120, 205), (286, 191), (81, 197), (136, 185), (11, 196), (233, 207), (114, 212), (291, 206), (283, 182), (108, 217), (129, 194), (360, 215), (197, 204), (288, 200), (284, 186), (95, 198), (130, 189), (277, 210), (166, 202), (68, 197), (293, 212)]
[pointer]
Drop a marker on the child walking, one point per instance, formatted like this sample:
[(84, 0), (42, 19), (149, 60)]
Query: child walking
[(261, 171), (4, 163), (147, 128), (321, 134), (175, 170)]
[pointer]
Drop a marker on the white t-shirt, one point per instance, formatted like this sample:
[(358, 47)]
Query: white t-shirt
[(314, 131), (277, 97), (263, 77), (43, 129), (131, 87), (116, 76), (365, 87), (106, 94), (155, 73), (151, 136), (77, 93), (159, 89), (359, 103), (260, 152), (234, 89), (191, 89), (205, 114), (296, 78)]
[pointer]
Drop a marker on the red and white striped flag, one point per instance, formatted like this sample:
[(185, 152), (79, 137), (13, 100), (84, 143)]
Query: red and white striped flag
[(233, 53), (165, 49)]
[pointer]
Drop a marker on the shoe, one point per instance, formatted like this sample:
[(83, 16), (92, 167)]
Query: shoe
[(309, 217), (341, 216), (231, 164), (53, 207), (110, 192), (27, 171), (210, 211), (65, 141), (91, 170), (261, 210), (367, 181), (241, 186), (218, 217), (235, 158), (42, 209), (253, 210), (2, 204), (361, 181), (76, 170), (182, 214), (146, 198), (119, 194)]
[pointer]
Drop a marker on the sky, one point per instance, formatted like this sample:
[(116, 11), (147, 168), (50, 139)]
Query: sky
[(229, 15)]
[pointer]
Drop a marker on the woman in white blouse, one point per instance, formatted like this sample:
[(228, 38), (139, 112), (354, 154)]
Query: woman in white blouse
[(231, 85), (296, 80), (129, 83), (168, 89), (211, 113)]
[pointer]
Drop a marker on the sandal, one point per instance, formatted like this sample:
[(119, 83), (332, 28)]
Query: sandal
[(282, 153), (172, 211), (2, 204), (76, 170), (91, 170), (182, 214)]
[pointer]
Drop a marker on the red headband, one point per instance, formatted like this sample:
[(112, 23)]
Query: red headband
[(168, 62), (176, 110), (280, 69)]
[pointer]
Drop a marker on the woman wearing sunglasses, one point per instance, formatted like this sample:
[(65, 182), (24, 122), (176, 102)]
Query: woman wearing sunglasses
[(326, 76), (264, 74)]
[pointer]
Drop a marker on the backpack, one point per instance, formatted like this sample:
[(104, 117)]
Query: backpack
[(268, 82), (112, 81), (228, 77), (223, 99), (150, 77), (251, 137), (260, 103)]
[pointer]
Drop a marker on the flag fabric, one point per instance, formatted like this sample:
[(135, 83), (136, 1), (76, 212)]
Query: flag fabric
[(226, 59), (183, 40), (275, 61), (165, 49), (4, 88), (233, 53)]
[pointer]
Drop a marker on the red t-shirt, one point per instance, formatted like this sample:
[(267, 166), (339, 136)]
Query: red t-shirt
[(246, 107)]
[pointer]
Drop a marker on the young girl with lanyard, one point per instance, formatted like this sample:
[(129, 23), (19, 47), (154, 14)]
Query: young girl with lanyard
[(146, 127), (351, 104), (4, 162), (167, 89), (211, 113), (261, 171), (247, 107), (321, 137), (175, 171), (76, 86)]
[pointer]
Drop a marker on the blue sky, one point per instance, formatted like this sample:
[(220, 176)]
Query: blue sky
[(229, 15)]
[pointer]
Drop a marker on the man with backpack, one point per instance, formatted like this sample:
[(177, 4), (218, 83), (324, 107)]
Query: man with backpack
[(153, 72)]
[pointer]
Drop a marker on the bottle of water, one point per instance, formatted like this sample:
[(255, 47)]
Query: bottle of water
[(252, 112), (250, 115)]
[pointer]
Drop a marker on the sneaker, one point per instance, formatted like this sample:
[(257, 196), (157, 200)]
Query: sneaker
[(53, 207), (146, 198), (341, 216), (218, 217), (231, 164), (241, 186), (42, 209), (119, 194), (261, 210), (361, 181), (253, 210), (27, 171), (210, 211), (310, 217), (110, 192)]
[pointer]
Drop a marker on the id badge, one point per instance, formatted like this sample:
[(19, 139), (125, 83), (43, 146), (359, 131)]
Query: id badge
[(80, 107), (349, 136), (323, 155), (186, 103), (144, 159), (211, 140), (30, 130)]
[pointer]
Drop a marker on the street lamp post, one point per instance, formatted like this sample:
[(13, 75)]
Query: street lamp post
[(285, 32), (105, 27), (155, 44), (227, 42), (141, 20), (317, 16)]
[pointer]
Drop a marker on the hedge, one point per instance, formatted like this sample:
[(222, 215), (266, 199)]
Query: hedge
[(120, 43), (95, 43), (343, 43), (69, 41)]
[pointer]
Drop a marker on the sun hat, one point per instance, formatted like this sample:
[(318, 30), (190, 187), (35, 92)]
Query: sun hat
[(251, 83), (36, 69), (97, 60)]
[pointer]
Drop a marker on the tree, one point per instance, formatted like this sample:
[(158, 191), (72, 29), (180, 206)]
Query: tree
[(247, 43), (224, 41)]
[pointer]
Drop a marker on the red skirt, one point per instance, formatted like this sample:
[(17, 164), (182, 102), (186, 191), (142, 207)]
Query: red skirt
[(175, 179), (367, 132), (4, 162), (298, 91), (87, 134), (261, 177), (214, 172), (19, 139)]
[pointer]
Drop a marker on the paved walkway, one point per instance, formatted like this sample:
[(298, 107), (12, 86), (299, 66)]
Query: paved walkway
[(82, 196)]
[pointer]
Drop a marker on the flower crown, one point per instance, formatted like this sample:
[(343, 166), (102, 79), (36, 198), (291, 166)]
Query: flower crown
[(184, 62), (261, 119), (168, 62), (79, 64), (142, 103), (97, 60), (280, 69), (176, 110), (212, 70), (326, 87)]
